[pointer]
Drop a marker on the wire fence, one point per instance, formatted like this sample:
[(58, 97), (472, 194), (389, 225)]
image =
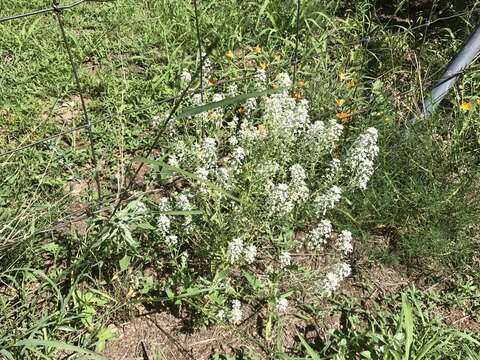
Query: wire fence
[(110, 204)]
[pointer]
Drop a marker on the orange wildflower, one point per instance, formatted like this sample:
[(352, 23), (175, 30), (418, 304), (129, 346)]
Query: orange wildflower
[(343, 116), (465, 106)]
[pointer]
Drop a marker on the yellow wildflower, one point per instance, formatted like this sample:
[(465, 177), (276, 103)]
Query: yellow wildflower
[(465, 106), (261, 129), (263, 66), (297, 96), (342, 76), (339, 102), (343, 116), (301, 83), (350, 84), (229, 54), (257, 49)]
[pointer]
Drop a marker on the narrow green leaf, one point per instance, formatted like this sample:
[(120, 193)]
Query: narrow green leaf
[(60, 346), (408, 324), (312, 353), (226, 102)]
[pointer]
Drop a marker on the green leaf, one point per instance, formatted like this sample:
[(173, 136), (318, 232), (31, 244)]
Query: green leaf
[(103, 335), (407, 324), (312, 353), (124, 262), (226, 102), (60, 346)]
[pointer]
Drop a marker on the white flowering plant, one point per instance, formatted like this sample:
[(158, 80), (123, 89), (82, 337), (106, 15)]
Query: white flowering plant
[(247, 211)]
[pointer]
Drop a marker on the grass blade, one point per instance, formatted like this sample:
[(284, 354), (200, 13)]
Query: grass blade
[(60, 346), (226, 102)]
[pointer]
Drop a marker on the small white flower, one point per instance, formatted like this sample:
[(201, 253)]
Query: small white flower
[(235, 249), (344, 242), (328, 200), (163, 224), (250, 106), (232, 90), (280, 201), (173, 161), (164, 204), (250, 252), (171, 240), (261, 77), (319, 235), (297, 173), (197, 99), (238, 154), (332, 280), (285, 259), (202, 173), (362, 156), (236, 313), (232, 140), (221, 315), (281, 305), (141, 208), (333, 169), (185, 78), (284, 80), (183, 202)]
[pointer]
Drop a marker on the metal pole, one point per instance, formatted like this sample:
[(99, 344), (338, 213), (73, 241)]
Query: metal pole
[(457, 65)]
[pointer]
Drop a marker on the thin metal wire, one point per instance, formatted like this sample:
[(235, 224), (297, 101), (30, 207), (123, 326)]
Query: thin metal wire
[(87, 123), (199, 41), (296, 60), (42, 11)]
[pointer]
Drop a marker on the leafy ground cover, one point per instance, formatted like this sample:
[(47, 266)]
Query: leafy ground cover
[(300, 222)]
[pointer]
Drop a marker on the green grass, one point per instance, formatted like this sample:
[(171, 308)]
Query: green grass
[(56, 289)]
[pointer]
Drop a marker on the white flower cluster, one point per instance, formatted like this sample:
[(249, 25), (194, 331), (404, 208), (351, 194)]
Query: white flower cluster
[(298, 187), (333, 278), (185, 78), (207, 152), (236, 312), (362, 156), (285, 259), (283, 114), (344, 242), (236, 250), (333, 169), (281, 305), (261, 78), (279, 201), (327, 201), (319, 235)]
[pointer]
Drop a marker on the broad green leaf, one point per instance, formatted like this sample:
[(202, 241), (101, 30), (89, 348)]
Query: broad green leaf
[(124, 262)]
